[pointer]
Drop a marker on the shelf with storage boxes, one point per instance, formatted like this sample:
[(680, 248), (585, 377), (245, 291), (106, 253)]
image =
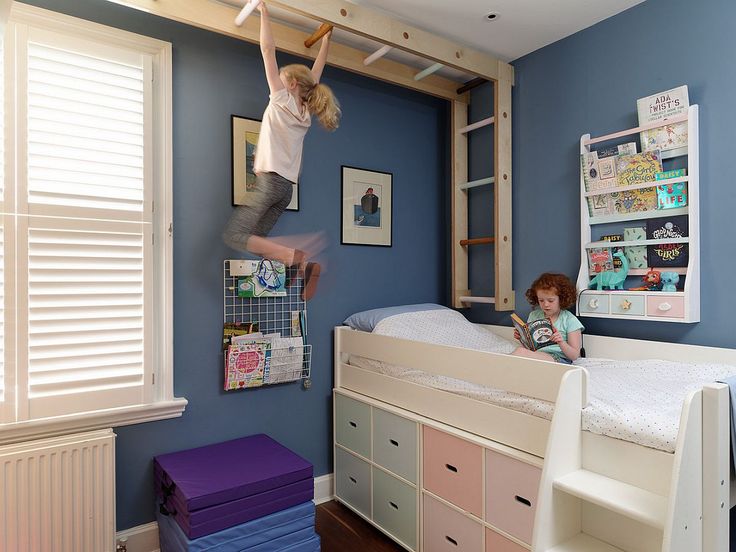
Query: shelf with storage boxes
[(429, 486), (640, 254)]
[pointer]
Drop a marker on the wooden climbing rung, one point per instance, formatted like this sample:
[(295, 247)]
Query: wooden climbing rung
[(477, 241), (470, 299), (324, 28)]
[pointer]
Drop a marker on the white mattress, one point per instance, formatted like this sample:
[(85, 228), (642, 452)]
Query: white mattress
[(637, 401)]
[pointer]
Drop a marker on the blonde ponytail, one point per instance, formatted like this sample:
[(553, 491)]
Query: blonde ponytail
[(322, 103), (319, 98)]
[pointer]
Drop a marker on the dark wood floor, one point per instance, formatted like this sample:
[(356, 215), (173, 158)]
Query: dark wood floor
[(342, 530)]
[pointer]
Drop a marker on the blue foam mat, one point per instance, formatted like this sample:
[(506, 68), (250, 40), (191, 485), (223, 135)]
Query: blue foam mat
[(272, 533)]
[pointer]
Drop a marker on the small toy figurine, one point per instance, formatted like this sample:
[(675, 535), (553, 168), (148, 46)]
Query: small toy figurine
[(652, 279), (610, 278), (669, 281)]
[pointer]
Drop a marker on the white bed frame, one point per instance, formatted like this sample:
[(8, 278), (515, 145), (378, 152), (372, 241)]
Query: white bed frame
[(593, 488)]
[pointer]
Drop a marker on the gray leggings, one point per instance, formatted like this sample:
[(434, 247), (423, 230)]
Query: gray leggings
[(263, 207)]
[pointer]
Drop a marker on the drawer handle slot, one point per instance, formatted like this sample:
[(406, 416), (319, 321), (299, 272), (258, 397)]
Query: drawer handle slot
[(451, 468), (353, 424), (523, 500), (393, 505), (353, 479), (451, 540), (394, 442)]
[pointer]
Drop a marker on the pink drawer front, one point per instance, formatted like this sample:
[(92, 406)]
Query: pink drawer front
[(511, 494), (446, 530), (668, 306), (453, 470), (499, 543)]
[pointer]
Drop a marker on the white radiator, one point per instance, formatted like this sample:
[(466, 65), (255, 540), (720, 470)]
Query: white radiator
[(58, 494)]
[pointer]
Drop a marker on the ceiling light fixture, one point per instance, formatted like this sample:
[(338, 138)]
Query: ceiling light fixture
[(492, 16)]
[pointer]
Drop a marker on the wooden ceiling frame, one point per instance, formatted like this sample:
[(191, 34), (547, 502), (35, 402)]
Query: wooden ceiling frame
[(220, 18)]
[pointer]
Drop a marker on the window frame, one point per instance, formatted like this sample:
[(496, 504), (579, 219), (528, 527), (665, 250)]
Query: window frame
[(163, 403)]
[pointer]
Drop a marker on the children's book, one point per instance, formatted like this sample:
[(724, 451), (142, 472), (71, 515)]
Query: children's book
[(230, 330), (246, 364), (634, 201), (614, 238), (659, 108), (535, 334), (622, 149), (598, 173), (600, 205), (639, 168), (667, 254), (672, 196), (636, 254), (600, 259)]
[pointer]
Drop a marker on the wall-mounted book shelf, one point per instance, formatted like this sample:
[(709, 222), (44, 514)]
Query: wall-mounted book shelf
[(284, 355), (606, 214)]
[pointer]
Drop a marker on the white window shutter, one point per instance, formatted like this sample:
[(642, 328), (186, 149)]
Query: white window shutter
[(85, 133), (87, 234)]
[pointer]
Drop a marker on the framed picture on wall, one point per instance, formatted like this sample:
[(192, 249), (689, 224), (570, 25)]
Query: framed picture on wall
[(367, 198), (244, 138)]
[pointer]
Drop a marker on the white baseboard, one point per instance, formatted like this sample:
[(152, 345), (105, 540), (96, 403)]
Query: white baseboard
[(324, 486), (144, 538)]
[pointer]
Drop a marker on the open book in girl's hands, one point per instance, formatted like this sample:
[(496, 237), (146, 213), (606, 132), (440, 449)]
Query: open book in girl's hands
[(536, 334)]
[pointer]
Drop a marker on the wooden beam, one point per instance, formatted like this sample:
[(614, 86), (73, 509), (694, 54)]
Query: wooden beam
[(502, 190), (220, 18), (459, 206), (324, 28), (374, 25), (468, 86)]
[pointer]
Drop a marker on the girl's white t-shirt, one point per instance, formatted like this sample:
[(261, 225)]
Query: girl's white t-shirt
[(281, 138)]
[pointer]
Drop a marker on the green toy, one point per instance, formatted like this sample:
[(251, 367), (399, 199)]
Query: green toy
[(611, 279)]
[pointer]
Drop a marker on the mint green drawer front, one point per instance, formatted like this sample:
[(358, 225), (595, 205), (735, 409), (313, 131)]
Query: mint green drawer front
[(395, 507), (353, 425), (593, 303), (353, 481), (395, 444), (633, 305)]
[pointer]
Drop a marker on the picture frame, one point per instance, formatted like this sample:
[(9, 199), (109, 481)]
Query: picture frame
[(244, 133), (366, 207)]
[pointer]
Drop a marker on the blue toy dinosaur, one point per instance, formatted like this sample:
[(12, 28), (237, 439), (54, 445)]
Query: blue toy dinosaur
[(609, 278)]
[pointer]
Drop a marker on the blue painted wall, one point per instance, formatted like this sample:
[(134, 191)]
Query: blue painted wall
[(589, 83), (384, 128)]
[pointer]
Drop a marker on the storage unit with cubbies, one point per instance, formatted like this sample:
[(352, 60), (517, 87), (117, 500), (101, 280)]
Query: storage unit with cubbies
[(653, 219)]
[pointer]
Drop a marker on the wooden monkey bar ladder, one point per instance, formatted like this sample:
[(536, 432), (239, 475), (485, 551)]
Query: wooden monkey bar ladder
[(503, 297)]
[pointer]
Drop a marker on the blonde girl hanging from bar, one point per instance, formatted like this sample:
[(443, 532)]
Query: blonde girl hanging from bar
[(295, 95)]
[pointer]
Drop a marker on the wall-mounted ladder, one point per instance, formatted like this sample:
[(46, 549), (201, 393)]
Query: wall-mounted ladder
[(503, 298)]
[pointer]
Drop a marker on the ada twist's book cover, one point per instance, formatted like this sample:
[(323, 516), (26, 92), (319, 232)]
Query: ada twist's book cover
[(658, 108), (667, 254)]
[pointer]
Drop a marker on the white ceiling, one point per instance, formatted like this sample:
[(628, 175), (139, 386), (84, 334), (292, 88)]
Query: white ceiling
[(521, 27)]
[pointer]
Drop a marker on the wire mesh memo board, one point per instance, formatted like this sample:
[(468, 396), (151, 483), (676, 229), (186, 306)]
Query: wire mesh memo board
[(287, 357)]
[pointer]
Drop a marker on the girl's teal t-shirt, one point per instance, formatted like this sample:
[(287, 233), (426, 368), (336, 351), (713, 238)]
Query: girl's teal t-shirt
[(566, 322)]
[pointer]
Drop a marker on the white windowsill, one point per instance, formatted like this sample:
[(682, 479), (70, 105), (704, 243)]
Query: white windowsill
[(115, 417)]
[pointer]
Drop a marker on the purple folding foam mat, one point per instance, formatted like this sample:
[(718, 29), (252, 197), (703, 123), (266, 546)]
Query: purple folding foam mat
[(222, 472), (218, 524), (270, 533), (237, 509)]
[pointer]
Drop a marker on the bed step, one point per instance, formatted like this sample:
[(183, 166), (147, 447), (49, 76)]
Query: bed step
[(584, 543), (633, 502)]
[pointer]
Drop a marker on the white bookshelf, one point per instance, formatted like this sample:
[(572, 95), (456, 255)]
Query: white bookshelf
[(680, 306)]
